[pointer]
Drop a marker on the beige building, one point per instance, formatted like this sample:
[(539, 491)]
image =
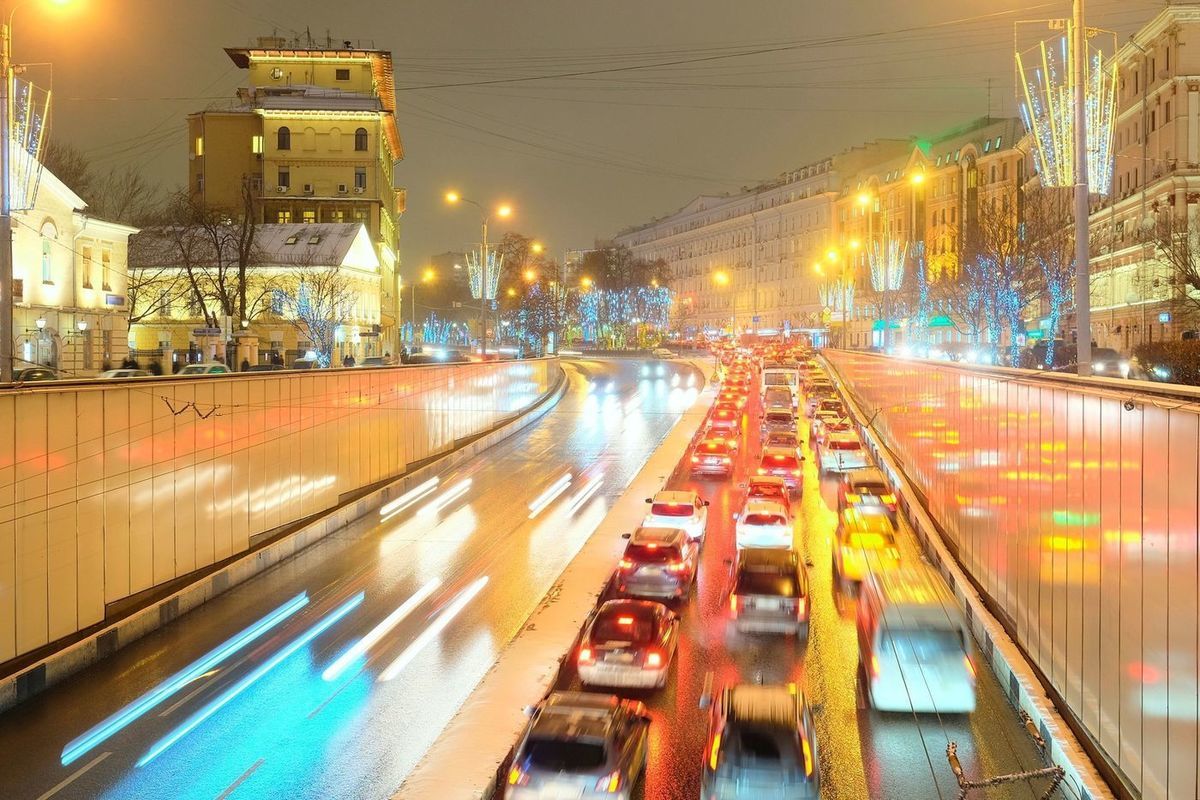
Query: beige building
[(173, 329), (1135, 298), (312, 139), (70, 281)]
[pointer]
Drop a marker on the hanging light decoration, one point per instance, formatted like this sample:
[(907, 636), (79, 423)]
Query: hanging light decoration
[(484, 273), (1047, 105), (30, 111), (887, 264)]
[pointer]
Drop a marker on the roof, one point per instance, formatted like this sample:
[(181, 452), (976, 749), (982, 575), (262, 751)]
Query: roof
[(866, 475), (657, 536), (381, 72), (920, 589), (315, 244)]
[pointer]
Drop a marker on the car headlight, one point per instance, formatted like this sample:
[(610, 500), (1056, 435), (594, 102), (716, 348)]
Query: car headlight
[(1098, 366)]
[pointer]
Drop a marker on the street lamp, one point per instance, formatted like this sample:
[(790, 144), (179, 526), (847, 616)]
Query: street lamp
[(428, 275), (504, 211), (6, 255), (587, 283)]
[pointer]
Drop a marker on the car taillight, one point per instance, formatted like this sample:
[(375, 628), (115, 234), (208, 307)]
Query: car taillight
[(735, 605), (796, 472), (970, 666), (676, 566), (517, 777), (625, 564), (887, 499), (726, 460), (654, 660), (586, 656), (801, 607), (853, 498), (610, 783), (714, 751)]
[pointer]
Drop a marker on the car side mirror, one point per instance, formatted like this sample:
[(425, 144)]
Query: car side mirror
[(735, 516), (705, 503), (649, 499), (626, 535)]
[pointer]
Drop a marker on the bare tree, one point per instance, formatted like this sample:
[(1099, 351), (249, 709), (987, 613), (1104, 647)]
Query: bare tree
[(1175, 240), (122, 194), (1047, 236), (315, 301)]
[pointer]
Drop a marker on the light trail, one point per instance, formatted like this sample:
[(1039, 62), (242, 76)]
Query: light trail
[(408, 498), (585, 494), (99, 733), (430, 633), (547, 497), (389, 622), (194, 721), (447, 497)]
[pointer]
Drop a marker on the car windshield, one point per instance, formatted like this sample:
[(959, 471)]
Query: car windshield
[(622, 625), (782, 440), (672, 509), (652, 553), (779, 416), (831, 405), (563, 755), (779, 584), (761, 518), (775, 378), (753, 745), (765, 490), (778, 460)]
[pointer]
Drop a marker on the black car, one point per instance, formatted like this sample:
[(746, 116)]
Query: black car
[(31, 374)]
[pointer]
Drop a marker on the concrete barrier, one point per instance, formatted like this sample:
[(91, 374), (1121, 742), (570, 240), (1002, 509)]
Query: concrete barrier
[(54, 667)]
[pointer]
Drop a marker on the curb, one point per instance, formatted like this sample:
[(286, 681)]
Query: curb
[(1017, 678), (54, 668)]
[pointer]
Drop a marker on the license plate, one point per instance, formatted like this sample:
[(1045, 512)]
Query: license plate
[(650, 572), (766, 604), (619, 658), (562, 789), (712, 461)]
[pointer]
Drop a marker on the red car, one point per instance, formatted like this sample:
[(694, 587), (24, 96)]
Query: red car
[(713, 457)]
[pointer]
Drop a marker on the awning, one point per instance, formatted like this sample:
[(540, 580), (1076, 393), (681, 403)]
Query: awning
[(878, 325), (941, 321)]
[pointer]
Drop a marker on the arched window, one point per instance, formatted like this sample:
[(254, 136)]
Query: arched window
[(284, 138), (49, 234), (360, 140)]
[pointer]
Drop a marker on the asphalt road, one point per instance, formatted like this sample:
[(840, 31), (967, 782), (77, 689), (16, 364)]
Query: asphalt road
[(863, 753), (286, 716)]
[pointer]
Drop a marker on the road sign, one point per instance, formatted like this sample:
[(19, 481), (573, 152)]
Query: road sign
[(755, 319), (1164, 316)]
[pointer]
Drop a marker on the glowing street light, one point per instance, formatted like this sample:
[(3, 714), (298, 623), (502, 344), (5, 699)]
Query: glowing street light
[(864, 198), (530, 276), (721, 278), (537, 248), (504, 211), (917, 178), (587, 282)]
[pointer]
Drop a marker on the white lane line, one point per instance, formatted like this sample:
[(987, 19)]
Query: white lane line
[(67, 782), (241, 779)]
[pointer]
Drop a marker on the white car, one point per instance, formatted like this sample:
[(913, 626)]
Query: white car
[(817, 428), (212, 368), (123, 372), (763, 523), (683, 510), (662, 352), (841, 451)]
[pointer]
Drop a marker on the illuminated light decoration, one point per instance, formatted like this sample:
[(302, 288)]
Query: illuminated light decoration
[(359, 648), (1047, 108), (99, 733), (30, 113), (430, 633), (197, 719), (484, 273), (887, 265)]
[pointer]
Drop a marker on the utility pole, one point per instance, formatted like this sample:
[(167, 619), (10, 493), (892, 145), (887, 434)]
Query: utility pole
[(6, 236), (483, 287), (1083, 310)]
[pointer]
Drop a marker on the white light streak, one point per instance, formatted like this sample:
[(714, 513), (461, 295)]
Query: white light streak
[(547, 497), (408, 498), (448, 497), (430, 633), (385, 627)]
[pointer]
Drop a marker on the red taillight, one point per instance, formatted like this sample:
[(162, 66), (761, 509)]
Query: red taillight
[(676, 566), (516, 777), (808, 759), (874, 666), (610, 783), (654, 660), (625, 564), (714, 751), (586, 656), (735, 605)]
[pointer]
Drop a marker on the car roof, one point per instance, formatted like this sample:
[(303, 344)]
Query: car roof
[(767, 557), (915, 596), (844, 435), (779, 451), (657, 536), (675, 497), (763, 705), (575, 715), (866, 475)]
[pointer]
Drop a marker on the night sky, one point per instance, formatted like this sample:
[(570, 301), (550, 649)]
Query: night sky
[(580, 156)]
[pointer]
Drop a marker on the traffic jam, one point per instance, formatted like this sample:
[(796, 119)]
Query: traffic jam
[(693, 676)]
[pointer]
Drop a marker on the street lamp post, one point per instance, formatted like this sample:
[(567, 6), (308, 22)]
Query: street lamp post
[(504, 210), (1083, 310)]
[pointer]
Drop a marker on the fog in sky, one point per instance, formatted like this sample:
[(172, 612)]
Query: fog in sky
[(624, 109)]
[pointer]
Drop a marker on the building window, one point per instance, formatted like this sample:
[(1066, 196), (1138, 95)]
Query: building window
[(47, 270), (105, 269), (360, 215), (256, 144), (360, 178), (86, 344), (342, 74), (1153, 120), (86, 255), (360, 140), (1167, 112), (284, 138), (199, 145), (1004, 171), (285, 178), (283, 216), (308, 216)]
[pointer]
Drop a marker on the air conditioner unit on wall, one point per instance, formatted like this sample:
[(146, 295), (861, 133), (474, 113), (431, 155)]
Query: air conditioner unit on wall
[(358, 190), (281, 189), (308, 188)]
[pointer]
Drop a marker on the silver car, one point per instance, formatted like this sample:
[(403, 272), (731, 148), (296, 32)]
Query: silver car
[(658, 563), (580, 745), (628, 644)]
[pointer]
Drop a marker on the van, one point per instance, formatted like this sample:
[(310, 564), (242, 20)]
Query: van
[(913, 644)]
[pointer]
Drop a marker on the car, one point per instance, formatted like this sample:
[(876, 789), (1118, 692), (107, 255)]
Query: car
[(372, 361), (816, 427), (123, 372), (725, 420), (207, 368), (713, 456), (913, 644), (658, 563), (265, 368), (784, 439), (732, 397), (782, 462), (761, 744), (833, 404), (865, 542), (868, 488), (580, 745), (778, 418), (306, 363), (763, 523), (841, 451), (769, 487), (768, 592), (676, 509), (733, 409), (662, 352), (628, 644), (32, 374), (1109, 363)]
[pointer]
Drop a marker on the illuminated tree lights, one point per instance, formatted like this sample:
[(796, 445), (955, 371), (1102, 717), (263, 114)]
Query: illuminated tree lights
[(887, 264), (1048, 111), (481, 281)]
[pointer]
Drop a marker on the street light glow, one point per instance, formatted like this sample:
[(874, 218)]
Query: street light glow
[(530, 275), (428, 275), (453, 197), (917, 178), (586, 282), (504, 211), (721, 278), (832, 254), (864, 198), (537, 248), (855, 244)]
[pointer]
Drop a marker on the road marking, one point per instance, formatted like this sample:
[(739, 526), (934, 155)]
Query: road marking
[(175, 706), (66, 782), (241, 779)]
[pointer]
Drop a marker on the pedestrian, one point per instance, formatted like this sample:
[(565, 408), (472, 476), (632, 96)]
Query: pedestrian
[(348, 361), (155, 367), (245, 365)]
